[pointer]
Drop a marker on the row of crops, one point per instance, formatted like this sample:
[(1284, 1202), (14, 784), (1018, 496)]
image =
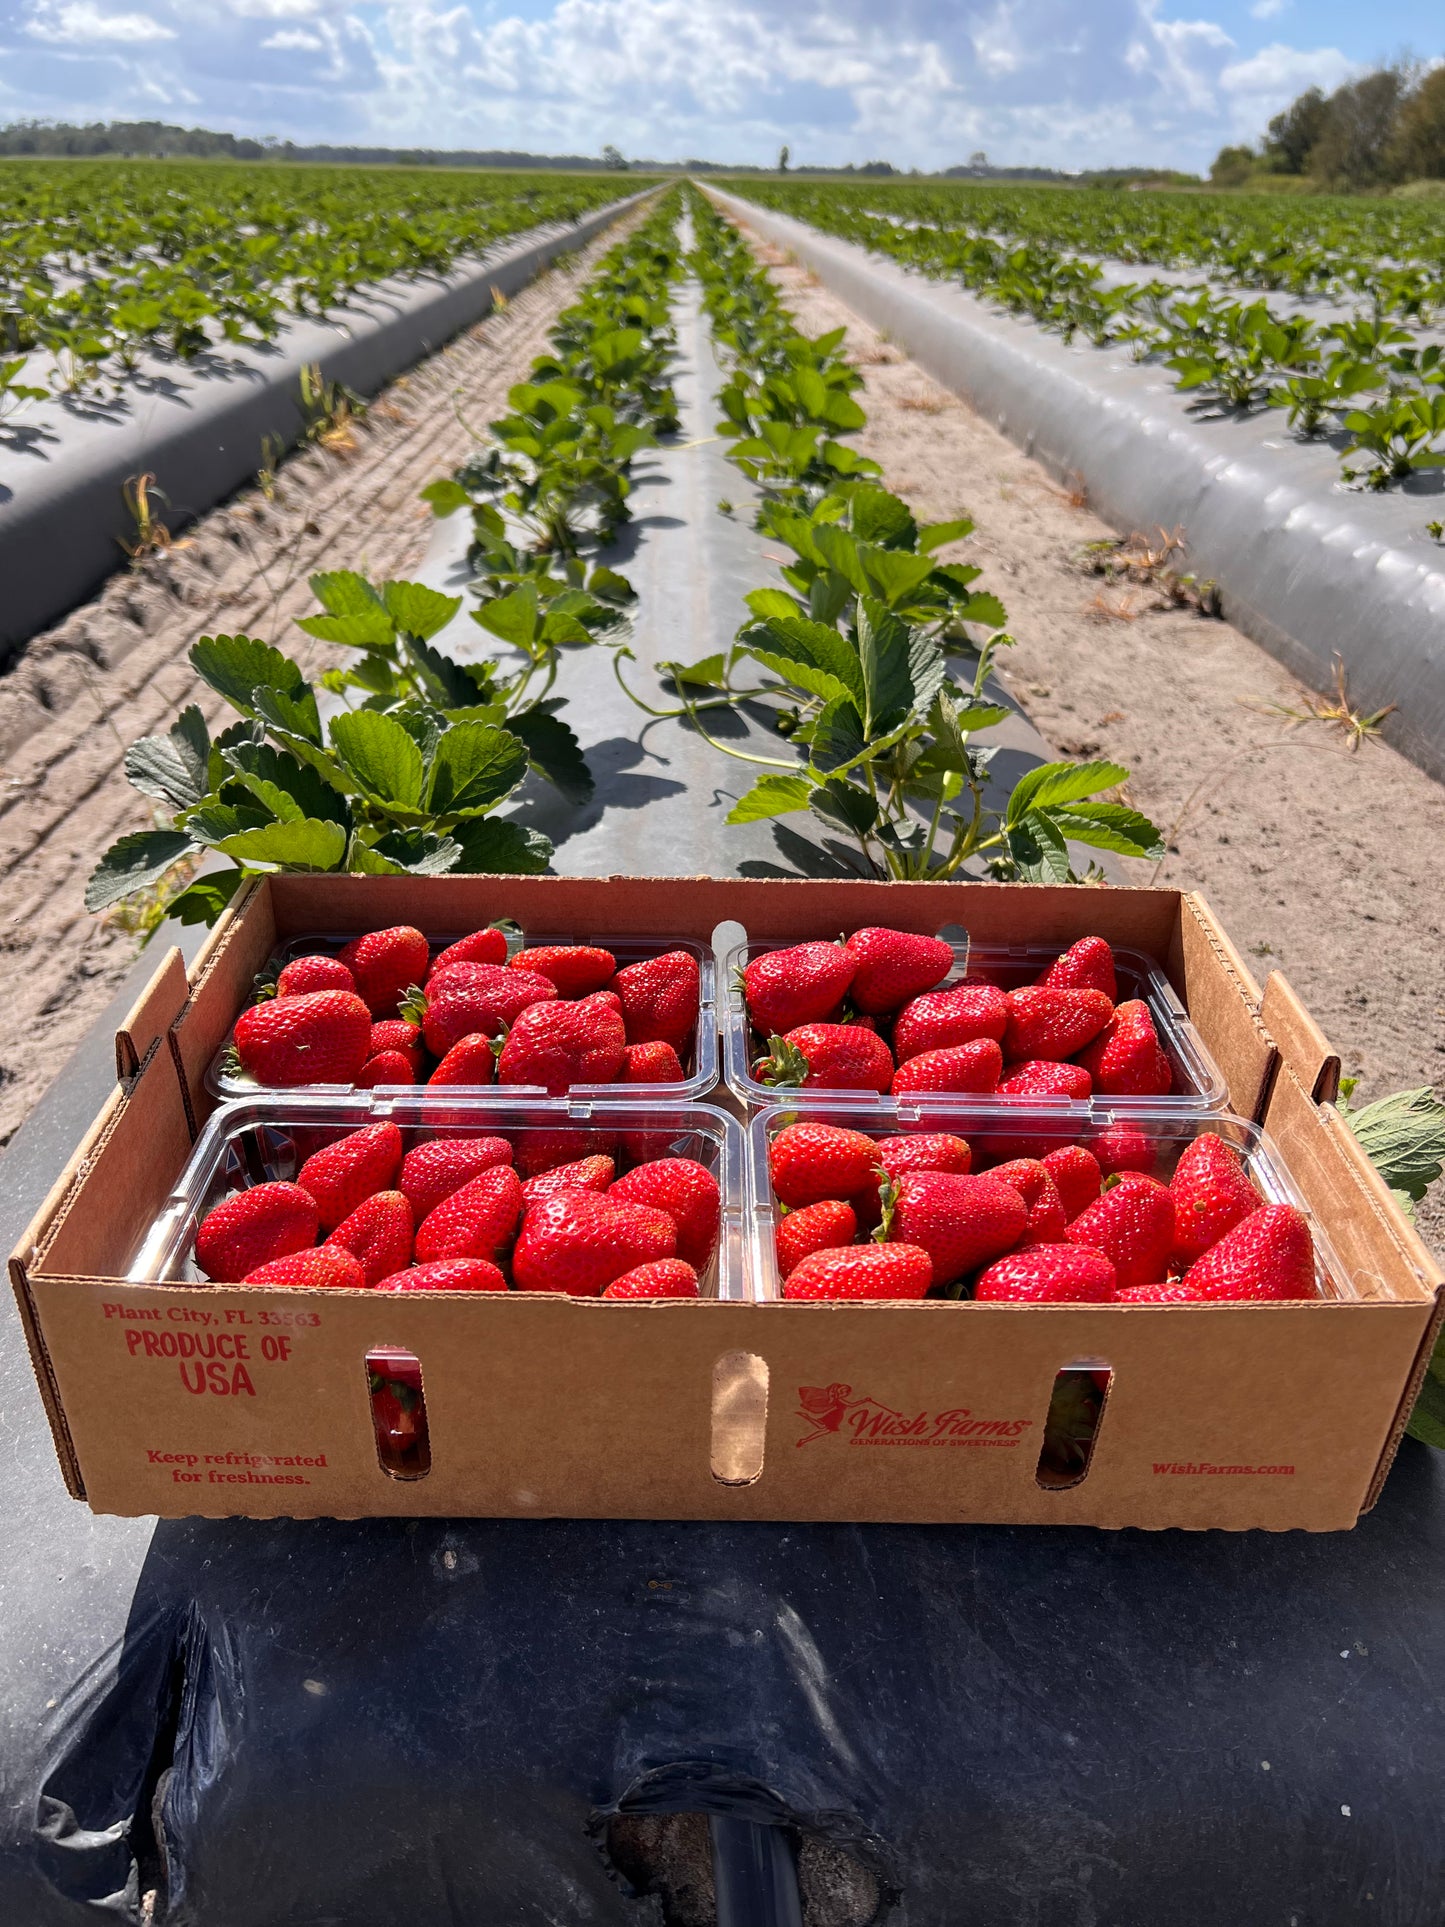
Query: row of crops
[(102, 263), (1364, 377)]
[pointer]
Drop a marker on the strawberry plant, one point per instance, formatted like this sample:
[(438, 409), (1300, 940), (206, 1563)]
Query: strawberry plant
[(1398, 437)]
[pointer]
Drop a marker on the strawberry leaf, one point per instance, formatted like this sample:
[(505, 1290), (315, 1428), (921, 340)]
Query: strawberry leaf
[(173, 768), (381, 755), (308, 844), (134, 863)]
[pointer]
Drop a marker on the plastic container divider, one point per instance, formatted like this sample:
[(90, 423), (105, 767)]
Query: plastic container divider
[(262, 1139)]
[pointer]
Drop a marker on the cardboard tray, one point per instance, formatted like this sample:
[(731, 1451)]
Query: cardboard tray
[(1254, 1416)]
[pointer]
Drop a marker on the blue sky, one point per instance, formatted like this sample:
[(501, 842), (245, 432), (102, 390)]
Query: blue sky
[(923, 83)]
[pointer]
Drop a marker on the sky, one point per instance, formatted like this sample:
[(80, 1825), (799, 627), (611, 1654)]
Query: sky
[(922, 83)]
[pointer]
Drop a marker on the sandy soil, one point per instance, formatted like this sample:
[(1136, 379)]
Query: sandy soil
[(1323, 863), (116, 669)]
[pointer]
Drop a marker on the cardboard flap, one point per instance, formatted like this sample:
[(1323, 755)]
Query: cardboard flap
[(1302, 1045), (151, 1015), (1223, 1002)]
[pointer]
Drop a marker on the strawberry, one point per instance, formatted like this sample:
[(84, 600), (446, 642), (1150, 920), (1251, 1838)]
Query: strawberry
[(398, 1411), (924, 1151), (663, 1278), (862, 1271), (947, 1017), (651, 1064), (378, 1234), (837, 1057), (394, 1033), (544, 1150), (350, 1169), (688, 1192), (1047, 1216), (817, 1227), (811, 1161), (385, 964), (468, 998), (1211, 1195), (487, 946), (252, 1227), (1086, 965), (576, 969), (960, 1221), (389, 1067), (1076, 1177), (587, 1174), (660, 997), (303, 975), (867, 1204), (801, 985), (323, 1265), (1040, 1077), (1048, 1274), (471, 1060), (964, 1067), (1133, 1225), (580, 1243), (1269, 1255), (448, 1274), (1163, 1291), (557, 1045), (1053, 1023), (1123, 1147), (475, 1221), (894, 966), (321, 1038), (432, 1171), (1127, 1060)]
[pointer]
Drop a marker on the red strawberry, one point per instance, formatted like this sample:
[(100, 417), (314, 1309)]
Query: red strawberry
[(398, 1412), (378, 1234), (252, 1227), (1086, 965), (1269, 1255), (544, 1150), (323, 1265), (1053, 1023), (487, 946), (587, 1174), (322, 1038), (801, 985), (663, 1278), (817, 1227), (1076, 1177), (688, 1192), (475, 1221), (964, 1067), (560, 1044), (655, 1063), (1040, 1077), (947, 1017), (576, 969), (867, 1204), (390, 1067), (345, 1172), (432, 1171), (1123, 1147), (836, 1057), (1048, 1274), (385, 964), (580, 1243), (1211, 1195), (395, 1033), (468, 998), (960, 1221), (811, 1161), (863, 1271), (448, 1274), (471, 1060), (1128, 1060), (924, 1151), (1163, 1291), (660, 998), (894, 966), (1047, 1216), (303, 975), (1133, 1225)]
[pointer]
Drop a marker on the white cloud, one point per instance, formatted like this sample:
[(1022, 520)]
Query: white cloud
[(293, 40), (81, 23), (1267, 9), (1283, 72)]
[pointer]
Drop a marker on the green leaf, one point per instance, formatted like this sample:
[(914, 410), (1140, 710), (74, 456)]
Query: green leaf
[(897, 576), (841, 551), (1404, 1137), (307, 844), (937, 535), (497, 845), (816, 681), (381, 754), (768, 603), (234, 666), (444, 680), (883, 649), (445, 496), (173, 768), (1062, 783), (514, 617), (474, 767), (771, 796), (342, 592), (134, 863), (984, 609), (1038, 849), (1109, 826), (708, 673), (203, 899), (420, 611), (848, 806), (271, 774), (608, 586), (555, 752), (213, 822), (876, 516), (284, 709), (419, 853), (367, 629), (821, 645)]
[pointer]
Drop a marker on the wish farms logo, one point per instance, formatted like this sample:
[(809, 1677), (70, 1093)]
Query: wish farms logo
[(831, 1411)]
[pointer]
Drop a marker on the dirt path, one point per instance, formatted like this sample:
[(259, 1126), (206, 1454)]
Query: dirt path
[(1321, 863), (116, 669)]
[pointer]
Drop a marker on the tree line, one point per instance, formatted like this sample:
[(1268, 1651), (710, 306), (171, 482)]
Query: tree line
[(1382, 130)]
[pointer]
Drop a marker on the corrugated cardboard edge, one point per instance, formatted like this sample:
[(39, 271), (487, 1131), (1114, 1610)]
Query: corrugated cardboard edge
[(1303, 1046), (1223, 1002)]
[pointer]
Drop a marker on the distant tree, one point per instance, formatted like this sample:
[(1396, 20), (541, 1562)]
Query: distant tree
[(1355, 147), (978, 158), (1292, 134), (612, 159), (783, 158), (1417, 152), (1233, 166)]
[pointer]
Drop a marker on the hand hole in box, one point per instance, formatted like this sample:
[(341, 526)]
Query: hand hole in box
[(1071, 1429), (398, 1412), (739, 1418)]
